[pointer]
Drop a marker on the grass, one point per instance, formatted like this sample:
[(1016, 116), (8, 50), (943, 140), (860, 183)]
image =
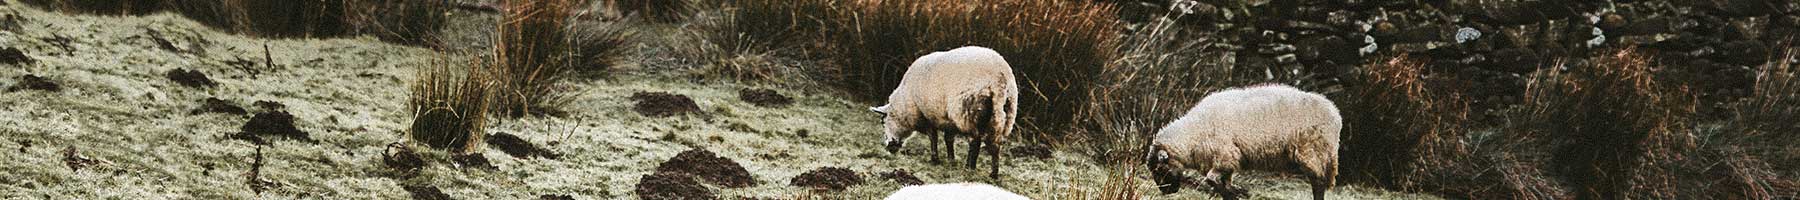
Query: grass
[(449, 104), (101, 7), (413, 22), (1614, 125), (1402, 124), (532, 52), (598, 47), (660, 11)]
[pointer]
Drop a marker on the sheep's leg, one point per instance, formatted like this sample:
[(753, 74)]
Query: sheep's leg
[(974, 151), (933, 136), (949, 146), (1224, 186), (994, 168)]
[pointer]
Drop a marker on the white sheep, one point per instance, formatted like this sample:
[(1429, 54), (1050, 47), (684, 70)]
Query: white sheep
[(964, 91), (1267, 127), (954, 191)]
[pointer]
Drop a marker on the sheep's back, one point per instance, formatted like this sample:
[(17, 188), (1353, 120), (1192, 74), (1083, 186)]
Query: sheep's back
[(1263, 122)]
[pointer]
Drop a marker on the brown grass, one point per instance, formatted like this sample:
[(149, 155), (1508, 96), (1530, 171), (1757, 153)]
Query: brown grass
[(100, 7), (661, 11), (450, 106), (414, 22), (1613, 124), (598, 47), (533, 52), (1402, 124), (401, 21)]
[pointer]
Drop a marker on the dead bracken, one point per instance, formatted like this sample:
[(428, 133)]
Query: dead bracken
[(399, 157), (190, 78), (216, 105), (764, 98), (827, 178), (902, 177), (706, 165), (663, 104), (34, 82), (518, 147)]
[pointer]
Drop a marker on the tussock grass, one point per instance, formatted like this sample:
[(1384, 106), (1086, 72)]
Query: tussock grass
[(449, 104), (598, 47), (1402, 124), (413, 22), (661, 11), (1613, 124), (532, 51), (401, 21)]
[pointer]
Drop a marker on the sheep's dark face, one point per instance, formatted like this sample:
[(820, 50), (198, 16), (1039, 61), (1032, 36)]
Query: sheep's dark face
[(1166, 179), (894, 137)]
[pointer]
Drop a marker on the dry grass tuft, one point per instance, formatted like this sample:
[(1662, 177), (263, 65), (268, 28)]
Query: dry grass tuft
[(598, 47), (1614, 125), (401, 21), (1402, 124), (662, 11), (450, 106), (533, 52), (414, 22)]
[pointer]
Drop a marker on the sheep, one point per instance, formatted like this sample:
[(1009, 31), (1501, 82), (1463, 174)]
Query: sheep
[(953, 191), (1266, 127), (964, 91)]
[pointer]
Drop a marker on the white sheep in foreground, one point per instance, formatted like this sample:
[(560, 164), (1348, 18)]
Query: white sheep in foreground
[(1266, 127), (954, 191), (964, 91)]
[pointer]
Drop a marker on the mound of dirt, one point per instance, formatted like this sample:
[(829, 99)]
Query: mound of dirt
[(277, 123), (706, 165), (426, 192), (401, 158), (216, 105), (671, 185), (518, 147), (1030, 151), (556, 197), (190, 78), (832, 178), (764, 98), (663, 104), (902, 177), (33, 82), (11, 55), (473, 160)]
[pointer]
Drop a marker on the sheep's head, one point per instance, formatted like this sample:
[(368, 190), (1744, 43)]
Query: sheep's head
[(895, 137), (1166, 179)]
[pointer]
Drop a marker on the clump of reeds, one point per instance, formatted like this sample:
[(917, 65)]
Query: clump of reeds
[(1613, 123), (533, 52), (450, 105), (1403, 125)]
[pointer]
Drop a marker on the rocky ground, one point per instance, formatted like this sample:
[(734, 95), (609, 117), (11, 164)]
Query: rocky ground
[(158, 106)]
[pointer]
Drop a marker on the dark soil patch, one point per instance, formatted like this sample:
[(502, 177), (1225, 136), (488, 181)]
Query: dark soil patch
[(556, 197), (399, 157), (663, 104), (34, 82), (473, 160), (270, 105), (23, 145), (1031, 151), (216, 105), (706, 165), (832, 178), (672, 185), (190, 78), (902, 177), (277, 123), (765, 98), (11, 55), (426, 192), (75, 160), (518, 147)]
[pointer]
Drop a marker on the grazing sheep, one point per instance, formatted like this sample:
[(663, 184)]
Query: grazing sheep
[(1267, 127), (964, 91), (953, 191)]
